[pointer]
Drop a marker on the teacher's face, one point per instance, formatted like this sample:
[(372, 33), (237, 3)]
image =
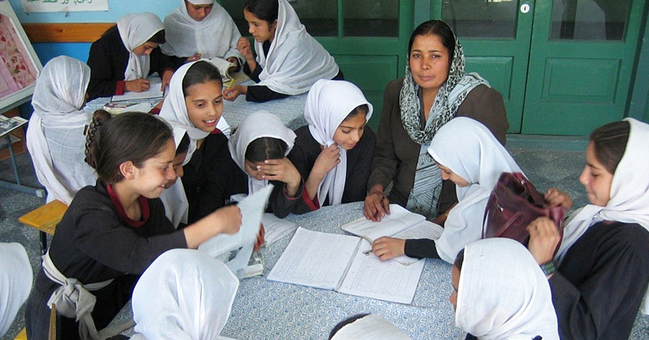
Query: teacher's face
[(429, 62)]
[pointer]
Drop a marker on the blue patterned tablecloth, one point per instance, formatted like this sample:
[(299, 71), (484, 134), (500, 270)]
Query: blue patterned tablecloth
[(290, 110)]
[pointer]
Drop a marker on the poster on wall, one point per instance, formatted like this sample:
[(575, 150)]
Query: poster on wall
[(19, 65), (64, 5)]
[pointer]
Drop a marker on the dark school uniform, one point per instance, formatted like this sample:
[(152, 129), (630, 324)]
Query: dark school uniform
[(359, 162), (95, 242), (108, 59)]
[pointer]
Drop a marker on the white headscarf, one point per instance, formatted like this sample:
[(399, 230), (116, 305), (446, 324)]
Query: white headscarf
[(174, 110), (629, 201), (15, 282), (58, 98), (256, 125), (214, 36), (174, 197), (327, 105), (136, 29), (470, 150), (370, 327), (184, 295), (295, 59), (503, 294)]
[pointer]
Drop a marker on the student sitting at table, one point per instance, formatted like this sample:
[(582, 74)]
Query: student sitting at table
[(289, 61), (174, 197), (55, 134), (334, 152), (500, 292), (126, 54), (469, 155), (15, 282), (195, 103), (602, 266), (113, 230), (259, 146), (184, 294), (200, 28)]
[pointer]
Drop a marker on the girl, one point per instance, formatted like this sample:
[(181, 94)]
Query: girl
[(288, 59), (55, 133), (15, 282), (469, 155), (126, 54), (184, 294), (112, 231), (260, 151), (195, 103), (602, 266), (200, 28), (334, 152), (174, 198), (501, 293), (367, 327), (434, 90)]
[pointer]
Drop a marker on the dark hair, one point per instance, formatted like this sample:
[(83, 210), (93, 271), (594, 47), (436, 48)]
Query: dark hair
[(263, 9), (183, 146), (158, 37), (610, 141), (201, 72), (459, 260), (131, 136), (438, 28), (344, 323), (360, 108), (264, 148)]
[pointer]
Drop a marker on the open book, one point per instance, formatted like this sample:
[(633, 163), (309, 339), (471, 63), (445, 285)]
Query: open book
[(337, 262), (225, 67), (154, 91), (401, 223)]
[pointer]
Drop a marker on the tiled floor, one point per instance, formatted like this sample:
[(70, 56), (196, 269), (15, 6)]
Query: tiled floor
[(547, 161)]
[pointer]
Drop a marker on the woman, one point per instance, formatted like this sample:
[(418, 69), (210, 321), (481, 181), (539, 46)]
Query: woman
[(501, 293), (200, 28), (603, 261), (55, 135), (468, 155), (184, 294), (126, 54), (289, 61), (434, 90)]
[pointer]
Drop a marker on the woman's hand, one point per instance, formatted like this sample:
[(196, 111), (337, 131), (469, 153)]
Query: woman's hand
[(376, 204), (555, 197), (166, 79), (137, 85), (386, 248), (544, 238), (233, 92), (229, 219), (260, 237), (243, 45), (195, 57)]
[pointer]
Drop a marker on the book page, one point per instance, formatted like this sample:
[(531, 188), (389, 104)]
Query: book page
[(315, 259), (389, 280), (276, 228), (398, 220), (154, 91)]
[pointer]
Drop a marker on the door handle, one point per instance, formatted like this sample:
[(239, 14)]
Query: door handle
[(525, 7)]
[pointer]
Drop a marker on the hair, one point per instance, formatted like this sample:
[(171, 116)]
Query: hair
[(438, 28), (264, 148), (202, 72), (183, 146), (344, 323), (360, 108), (158, 37), (609, 141), (131, 136), (459, 260), (263, 9)]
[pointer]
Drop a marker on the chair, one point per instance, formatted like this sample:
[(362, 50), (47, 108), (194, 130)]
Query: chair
[(45, 218)]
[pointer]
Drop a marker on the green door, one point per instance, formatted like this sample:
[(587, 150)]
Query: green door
[(563, 66)]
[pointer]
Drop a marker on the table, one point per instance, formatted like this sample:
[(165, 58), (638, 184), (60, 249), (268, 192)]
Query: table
[(265, 309), (7, 125)]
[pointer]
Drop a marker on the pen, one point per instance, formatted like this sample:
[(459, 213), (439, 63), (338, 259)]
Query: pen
[(230, 85)]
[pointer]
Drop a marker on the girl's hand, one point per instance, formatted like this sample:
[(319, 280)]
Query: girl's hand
[(195, 57), (376, 205), (386, 248), (327, 159), (137, 85), (229, 219), (243, 45), (233, 92), (281, 170), (260, 238), (544, 238), (556, 197)]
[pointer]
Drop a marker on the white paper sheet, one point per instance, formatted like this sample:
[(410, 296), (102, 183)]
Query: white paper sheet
[(276, 228), (154, 91)]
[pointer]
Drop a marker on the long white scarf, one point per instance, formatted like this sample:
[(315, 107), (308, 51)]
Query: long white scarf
[(370, 327), (16, 281), (174, 197), (295, 60), (629, 201), (174, 110), (136, 29), (184, 295), (214, 36), (327, 105), (58, 98), (257, 125), (503, 294), (471, 151)]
